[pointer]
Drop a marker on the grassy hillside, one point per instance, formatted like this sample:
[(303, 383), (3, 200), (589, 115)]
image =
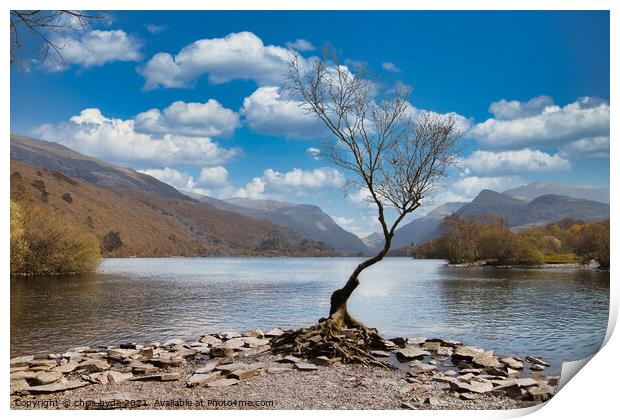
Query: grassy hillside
[(131, 222)]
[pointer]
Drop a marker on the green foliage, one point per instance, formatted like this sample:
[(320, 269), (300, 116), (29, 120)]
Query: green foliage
[(489, 239), (42, 242), (271, 244), (111, 241), (560, 258), (19, 247), (593, 243)]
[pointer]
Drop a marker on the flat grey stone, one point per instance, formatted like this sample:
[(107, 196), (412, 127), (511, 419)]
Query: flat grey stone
[(223, 382), (59, 387), (203, 378), (305, 366)]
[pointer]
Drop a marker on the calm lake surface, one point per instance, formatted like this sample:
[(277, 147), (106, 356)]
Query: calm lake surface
[(558, 314)]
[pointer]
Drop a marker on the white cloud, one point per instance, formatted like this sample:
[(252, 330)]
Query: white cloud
[(189, 118), (211, 182), (179, 180), (298, 178), (359, 196), (467, 188), (591, 147), (540, 123), (154, 28), (267, 111), (314, 152), (237, 56), (300, 45), (362, 227), (96, 48), (296, 181), (116, 140), (255, 189), (213, 176), (511, 110), (462, 123), (513, 161), (390, 67)]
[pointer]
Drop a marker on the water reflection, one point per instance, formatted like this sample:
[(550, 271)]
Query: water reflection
[(558, 314)]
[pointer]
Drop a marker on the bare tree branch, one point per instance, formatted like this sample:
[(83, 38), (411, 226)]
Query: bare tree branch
[(38, 29), (386, 147)]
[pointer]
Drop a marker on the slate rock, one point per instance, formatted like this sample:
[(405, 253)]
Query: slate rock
[(305, 366), (536, 360), (57, 387), (411, 352), (223, 382), (44, 378), (203, 378)]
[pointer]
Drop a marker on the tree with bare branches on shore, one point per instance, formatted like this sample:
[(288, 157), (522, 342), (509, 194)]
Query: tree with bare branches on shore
[(394, 154)]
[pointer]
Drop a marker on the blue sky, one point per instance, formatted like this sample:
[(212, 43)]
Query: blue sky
[(196, 98)]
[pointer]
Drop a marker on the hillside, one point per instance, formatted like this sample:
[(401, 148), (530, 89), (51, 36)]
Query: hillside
[(153, 225), (307, 220), (56, 157)]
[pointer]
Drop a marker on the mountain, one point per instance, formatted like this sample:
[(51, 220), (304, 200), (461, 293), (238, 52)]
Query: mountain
[(424, 228), (550, 208), (491, 202), (152, 218), (307, 220), (541, 210), (416, 231), (536, 189), (373, 241), (56, 157)]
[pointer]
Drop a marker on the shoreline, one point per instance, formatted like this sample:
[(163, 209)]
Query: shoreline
[(242, 369), (572, 265)]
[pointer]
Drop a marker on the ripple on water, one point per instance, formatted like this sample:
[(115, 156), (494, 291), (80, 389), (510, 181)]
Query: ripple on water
[(557, 314)]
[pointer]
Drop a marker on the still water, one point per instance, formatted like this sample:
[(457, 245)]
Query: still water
[(558, 314)]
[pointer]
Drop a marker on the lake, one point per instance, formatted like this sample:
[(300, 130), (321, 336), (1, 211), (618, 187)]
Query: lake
[(557, 314)]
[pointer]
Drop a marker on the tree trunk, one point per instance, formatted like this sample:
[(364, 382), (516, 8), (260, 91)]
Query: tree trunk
[(338, 309)]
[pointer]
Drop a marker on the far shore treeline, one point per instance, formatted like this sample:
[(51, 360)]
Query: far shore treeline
[(489, 239)]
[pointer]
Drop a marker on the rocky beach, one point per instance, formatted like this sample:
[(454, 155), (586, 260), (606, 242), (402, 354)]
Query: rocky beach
[(229, 370)]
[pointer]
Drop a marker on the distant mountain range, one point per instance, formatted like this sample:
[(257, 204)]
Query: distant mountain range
[(536, 189), (416, 231), (157, 219), (542, 210), (306, 219), (520, 213)]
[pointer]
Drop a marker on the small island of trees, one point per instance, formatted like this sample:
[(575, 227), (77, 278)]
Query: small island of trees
[(489, 239)]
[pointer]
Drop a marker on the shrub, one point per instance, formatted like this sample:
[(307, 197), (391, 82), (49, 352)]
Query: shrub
[(593, 243), (42, 242), (111, 241), (19, 246), (67, 197)]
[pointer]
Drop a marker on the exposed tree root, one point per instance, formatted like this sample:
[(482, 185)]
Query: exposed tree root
[(339, 336)]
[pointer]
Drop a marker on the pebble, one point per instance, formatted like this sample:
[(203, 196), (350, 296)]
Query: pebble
[(305, 366)]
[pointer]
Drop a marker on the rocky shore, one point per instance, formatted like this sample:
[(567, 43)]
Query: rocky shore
[(228, 370)]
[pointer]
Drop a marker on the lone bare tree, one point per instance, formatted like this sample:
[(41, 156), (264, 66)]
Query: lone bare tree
[(37, 29), (390, 151)]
